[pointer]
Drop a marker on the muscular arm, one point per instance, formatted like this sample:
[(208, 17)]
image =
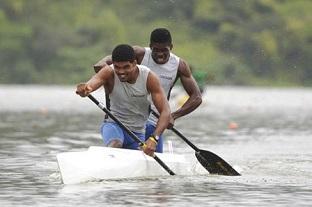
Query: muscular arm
[(160, 102), (103, 77), (190, 86), (139, 54)]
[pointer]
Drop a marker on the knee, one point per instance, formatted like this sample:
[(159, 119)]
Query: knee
[(115, 143)]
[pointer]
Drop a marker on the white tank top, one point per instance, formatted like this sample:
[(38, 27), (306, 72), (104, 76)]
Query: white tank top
[(129, 102), (167, 73)]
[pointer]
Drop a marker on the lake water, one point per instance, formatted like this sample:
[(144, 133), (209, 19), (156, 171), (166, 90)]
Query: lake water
[(264, 133)]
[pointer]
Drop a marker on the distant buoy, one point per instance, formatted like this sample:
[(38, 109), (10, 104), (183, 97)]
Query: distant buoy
[(233, 125), (43, 111)]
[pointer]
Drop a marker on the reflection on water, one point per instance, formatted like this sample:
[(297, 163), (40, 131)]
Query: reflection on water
[(271, 146)]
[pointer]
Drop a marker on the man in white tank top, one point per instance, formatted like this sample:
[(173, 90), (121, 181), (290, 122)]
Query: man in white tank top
[(129, 87), (169, 67)]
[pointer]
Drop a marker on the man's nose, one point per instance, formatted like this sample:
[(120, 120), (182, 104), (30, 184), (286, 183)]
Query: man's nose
[(121, 73)]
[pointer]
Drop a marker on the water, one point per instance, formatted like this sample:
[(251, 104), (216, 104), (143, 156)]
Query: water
[(271, 147)]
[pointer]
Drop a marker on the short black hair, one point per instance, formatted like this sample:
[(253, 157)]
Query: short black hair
[(160, 35), (123, 52)]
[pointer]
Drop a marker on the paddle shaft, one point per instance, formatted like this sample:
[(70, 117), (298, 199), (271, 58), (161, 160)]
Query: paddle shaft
[(132, 135), (179, 134), (185, 139)]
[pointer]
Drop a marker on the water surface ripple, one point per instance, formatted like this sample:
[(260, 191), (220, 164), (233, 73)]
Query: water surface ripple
[(271, 146)]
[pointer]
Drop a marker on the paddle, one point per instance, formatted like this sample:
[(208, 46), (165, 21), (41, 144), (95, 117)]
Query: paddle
[(132, 135), (212, 162)]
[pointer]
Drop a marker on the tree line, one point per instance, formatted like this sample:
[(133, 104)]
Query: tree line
[(241, 42)]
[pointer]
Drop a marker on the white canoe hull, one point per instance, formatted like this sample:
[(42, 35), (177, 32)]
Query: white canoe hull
[(103, 163)]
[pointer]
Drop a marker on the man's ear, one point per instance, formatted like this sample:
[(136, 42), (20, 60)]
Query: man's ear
[(135, 62), (171, 46)]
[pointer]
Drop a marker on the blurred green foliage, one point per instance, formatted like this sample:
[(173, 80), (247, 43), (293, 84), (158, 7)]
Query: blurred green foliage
[(236, 42)]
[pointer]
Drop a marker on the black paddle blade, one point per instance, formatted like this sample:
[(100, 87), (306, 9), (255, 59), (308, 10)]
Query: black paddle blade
[(214, 164)]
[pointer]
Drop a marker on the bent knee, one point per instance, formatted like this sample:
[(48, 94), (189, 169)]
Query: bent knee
[(115, 143)]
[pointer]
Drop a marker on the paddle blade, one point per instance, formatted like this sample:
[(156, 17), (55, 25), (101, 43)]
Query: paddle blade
[(214, 164)]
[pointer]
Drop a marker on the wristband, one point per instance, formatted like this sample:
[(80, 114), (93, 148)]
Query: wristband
[(154, 138)]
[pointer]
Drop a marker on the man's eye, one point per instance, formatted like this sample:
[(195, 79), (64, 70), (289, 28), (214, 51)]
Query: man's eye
[(160, 50)]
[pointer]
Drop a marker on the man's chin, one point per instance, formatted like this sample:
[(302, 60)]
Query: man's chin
[(161, 61), (123, 79)]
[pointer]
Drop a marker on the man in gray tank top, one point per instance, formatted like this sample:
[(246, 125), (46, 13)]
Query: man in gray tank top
[(129, 87), (169, 68)]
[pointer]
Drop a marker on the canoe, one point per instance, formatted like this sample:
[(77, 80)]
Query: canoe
[(104, 163)]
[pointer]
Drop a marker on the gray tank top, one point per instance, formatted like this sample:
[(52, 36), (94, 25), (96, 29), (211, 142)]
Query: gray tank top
[(167, 73), (129, 102)]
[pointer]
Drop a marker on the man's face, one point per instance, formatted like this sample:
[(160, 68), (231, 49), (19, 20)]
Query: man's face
[(160, 52), (125, 70)]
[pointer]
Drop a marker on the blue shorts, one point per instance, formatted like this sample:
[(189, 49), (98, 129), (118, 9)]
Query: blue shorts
[(112, 131), (149, 130)]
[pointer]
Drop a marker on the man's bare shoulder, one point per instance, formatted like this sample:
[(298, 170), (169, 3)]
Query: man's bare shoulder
[(184, 68), (139, 53), (107, 71)]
